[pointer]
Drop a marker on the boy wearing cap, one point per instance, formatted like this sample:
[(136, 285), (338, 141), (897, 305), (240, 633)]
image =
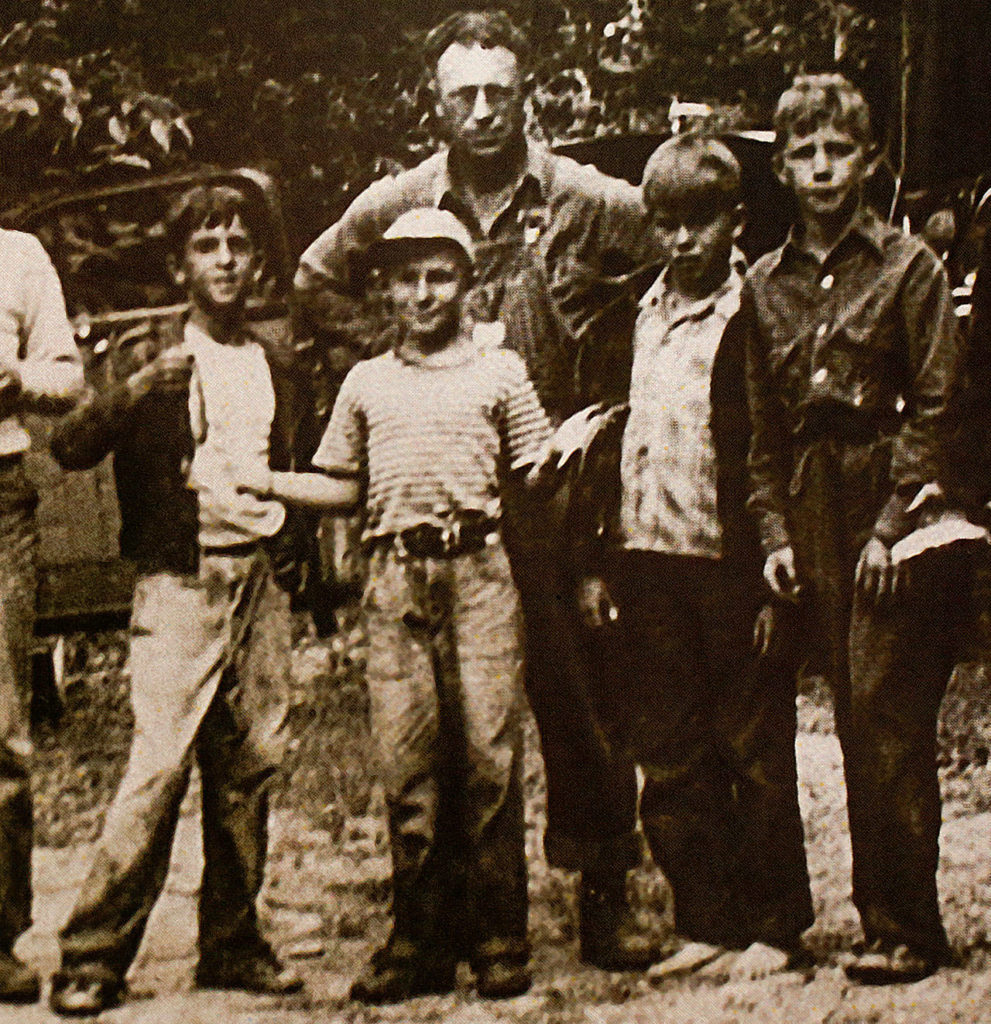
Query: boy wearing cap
[(198, 399), (670, 588), (425, 433), (853, 378)]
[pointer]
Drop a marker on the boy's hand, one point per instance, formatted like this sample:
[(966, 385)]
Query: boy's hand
[(876, 577), (168, 372), (764, 627), (254, 480), (594, 603), (781, 576)]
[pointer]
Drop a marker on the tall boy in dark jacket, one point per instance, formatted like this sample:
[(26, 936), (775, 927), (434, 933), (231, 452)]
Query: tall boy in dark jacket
[(672, 590), (209, 654)]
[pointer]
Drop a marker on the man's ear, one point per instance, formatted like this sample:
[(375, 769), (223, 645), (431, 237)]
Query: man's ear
[(176, 271), (873, 156)]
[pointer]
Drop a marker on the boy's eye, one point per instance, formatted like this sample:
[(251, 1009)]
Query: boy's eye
[(440, 276), (839, 149), (802, 152)]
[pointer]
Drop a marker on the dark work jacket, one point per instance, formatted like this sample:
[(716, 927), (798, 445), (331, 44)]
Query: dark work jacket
[(597, 487), (152, 446)]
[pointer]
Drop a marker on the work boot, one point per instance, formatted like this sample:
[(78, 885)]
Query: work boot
[(400, 971), (18, 982), (258, 971), (85, 990), (609, 935)]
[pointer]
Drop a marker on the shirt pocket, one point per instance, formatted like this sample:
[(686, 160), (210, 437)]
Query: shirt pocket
[(854, 358)]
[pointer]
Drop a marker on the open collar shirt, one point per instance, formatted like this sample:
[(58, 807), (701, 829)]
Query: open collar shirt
[(668, 463)]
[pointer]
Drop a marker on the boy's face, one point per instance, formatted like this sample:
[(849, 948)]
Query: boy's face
[(825, 169), (217, 266), (695, 244), (426, 292)]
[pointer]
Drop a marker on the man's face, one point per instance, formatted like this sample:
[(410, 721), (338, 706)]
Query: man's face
[(218, 265), (426, 292), (695, 244), (480, 99), (825, 169)]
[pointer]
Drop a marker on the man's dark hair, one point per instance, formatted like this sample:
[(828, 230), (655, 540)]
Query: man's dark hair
[(488, 29), (210, 206)]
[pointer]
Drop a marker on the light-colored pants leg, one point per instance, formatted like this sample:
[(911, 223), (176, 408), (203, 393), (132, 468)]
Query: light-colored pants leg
[(183, 632)]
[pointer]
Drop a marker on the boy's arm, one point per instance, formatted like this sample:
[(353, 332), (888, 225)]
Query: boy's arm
[(769, 440), (334, 495), (84, 436), (936, 354)]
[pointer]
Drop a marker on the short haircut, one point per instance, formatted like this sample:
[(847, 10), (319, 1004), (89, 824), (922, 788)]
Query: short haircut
[(210, 206), (693, 171), (487, 29), (814, 100)]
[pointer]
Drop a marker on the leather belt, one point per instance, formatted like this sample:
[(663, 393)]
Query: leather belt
[(460, 537)]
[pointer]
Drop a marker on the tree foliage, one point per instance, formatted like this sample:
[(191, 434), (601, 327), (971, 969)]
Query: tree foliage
[(328, 95)]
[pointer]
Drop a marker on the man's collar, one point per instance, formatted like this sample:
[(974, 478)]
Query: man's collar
[(864, 225), (538, 169)]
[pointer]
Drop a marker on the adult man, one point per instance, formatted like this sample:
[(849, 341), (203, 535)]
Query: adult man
[(40, 369), (531, 214)]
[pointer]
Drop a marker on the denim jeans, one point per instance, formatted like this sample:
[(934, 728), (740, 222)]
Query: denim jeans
[(444, 677)]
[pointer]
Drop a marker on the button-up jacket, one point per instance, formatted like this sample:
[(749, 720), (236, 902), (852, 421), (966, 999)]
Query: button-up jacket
[(860, 348), (562, 214)]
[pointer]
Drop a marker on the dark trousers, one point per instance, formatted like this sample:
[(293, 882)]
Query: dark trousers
[(713, 728), (888, 668), (17, 590), (591, 794)]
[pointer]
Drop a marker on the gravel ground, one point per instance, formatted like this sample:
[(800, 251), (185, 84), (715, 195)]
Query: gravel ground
[(327, 894)]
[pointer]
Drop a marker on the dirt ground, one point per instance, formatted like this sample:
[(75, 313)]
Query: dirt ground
[(326, 898)]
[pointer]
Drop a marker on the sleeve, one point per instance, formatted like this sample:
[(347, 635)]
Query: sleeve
[(51, 369), (525, 426), (343, 449), (325, 283), (84, 436), (769, 440)]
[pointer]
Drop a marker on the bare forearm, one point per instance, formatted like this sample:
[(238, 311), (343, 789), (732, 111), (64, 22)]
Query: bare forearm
[(316, 490)]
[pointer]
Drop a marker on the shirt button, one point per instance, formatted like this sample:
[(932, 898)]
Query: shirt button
[(821, 331), (827, 282), (820, 376)]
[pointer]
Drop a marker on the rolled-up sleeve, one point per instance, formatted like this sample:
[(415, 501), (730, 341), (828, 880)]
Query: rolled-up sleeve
[(343, 450)]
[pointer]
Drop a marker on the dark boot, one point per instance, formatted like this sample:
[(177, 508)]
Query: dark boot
[(609, 935), (18, 982), (401, 970)]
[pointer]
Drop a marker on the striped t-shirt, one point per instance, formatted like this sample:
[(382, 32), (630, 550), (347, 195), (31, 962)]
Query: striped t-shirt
[(429, 433)]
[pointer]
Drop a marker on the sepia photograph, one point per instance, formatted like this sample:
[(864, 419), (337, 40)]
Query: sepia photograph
[(495, 512)]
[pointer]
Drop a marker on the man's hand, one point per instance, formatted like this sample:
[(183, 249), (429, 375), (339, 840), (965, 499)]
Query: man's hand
[(781, 576), (876, 577), (10, 389), (594, 603), (168, 372)]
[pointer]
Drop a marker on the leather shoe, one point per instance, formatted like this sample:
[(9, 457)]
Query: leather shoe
[(399, 971), (262, 973), (84, 993), (887, 965), (609, 936), (18, 982), (502, 979)]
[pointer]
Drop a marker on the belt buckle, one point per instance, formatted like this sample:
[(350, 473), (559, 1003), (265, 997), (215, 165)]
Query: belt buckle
[(450, 536)]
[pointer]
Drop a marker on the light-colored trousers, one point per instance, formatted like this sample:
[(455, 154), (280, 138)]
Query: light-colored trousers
[(209, 665)]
